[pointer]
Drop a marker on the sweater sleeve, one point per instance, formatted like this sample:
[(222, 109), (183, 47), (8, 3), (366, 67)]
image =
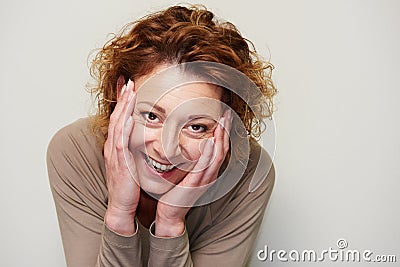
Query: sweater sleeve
[(236, 222), (76, 174), (229, 240)]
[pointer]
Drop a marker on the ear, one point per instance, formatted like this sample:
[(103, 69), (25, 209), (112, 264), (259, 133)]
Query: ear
[(120, 84)]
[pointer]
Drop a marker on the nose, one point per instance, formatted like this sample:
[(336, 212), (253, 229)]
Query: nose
[(167, 143)]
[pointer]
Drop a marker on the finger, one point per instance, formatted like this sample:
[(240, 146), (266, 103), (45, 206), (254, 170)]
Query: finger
[(194, 178), (114, 118), (124, 127), (128, 111), (128, 102), (127, 130), (221, 136), (194, 184), (131, 97), (206, 155), (125, 92), (132, 85), (108, 146), (111, 125), (212, 157), (118, 113), (219, 141), (228, 125), (124, 104), (124, 156)]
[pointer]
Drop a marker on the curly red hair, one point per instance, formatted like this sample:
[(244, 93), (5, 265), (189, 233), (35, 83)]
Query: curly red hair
[(176, 35)]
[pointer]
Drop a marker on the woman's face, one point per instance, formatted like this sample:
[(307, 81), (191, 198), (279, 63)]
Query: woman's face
[(171, 127)]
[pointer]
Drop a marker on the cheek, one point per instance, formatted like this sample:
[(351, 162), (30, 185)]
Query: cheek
[(191, 148), (140, 135)]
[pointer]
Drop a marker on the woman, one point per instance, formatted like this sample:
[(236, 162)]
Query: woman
[(158, 177)]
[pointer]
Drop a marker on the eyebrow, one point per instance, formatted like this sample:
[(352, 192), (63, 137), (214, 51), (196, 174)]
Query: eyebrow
[(155, 106), (196, 116)]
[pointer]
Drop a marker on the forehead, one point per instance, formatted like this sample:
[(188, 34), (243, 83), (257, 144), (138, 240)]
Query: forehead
[(177, 89)]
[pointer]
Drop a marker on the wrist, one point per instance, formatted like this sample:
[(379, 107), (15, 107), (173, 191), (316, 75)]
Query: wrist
[(120, 221), (169, 227)]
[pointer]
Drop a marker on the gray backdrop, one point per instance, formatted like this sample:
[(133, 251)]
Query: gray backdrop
[(337, 117)]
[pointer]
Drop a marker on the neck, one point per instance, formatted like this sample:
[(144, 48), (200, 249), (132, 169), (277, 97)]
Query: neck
[(146, 211)]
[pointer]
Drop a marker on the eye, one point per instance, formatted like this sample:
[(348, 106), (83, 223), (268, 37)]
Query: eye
[(150, 116), (197, 128)]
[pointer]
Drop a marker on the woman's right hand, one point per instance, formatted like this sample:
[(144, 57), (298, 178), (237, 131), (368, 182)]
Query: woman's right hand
[(123, 191)]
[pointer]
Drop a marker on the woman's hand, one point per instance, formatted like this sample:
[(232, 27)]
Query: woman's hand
[(123, 192), (170, 219)]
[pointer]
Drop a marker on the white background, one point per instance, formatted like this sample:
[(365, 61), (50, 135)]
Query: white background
[(337, 116)]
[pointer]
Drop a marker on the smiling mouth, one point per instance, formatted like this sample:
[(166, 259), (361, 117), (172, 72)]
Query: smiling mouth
[(160, 168)]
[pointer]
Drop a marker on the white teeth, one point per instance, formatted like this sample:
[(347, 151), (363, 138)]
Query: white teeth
[(158, 166)]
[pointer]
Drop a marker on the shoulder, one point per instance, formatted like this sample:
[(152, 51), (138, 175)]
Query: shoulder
[(260, 171), (74, 136), (76, 170), (252, 191), (75, 143), (74, 156), (239, 212)]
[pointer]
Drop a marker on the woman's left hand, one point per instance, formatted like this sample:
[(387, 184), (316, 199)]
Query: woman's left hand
[(170, 219)]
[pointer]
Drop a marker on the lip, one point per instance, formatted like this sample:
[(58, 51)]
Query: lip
[(168, 163), (164, 175)]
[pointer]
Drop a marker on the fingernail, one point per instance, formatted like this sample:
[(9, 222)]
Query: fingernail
[(209, 143), (123, 89), (222, 121), (130, 84), (212, 141), (229, 114)]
